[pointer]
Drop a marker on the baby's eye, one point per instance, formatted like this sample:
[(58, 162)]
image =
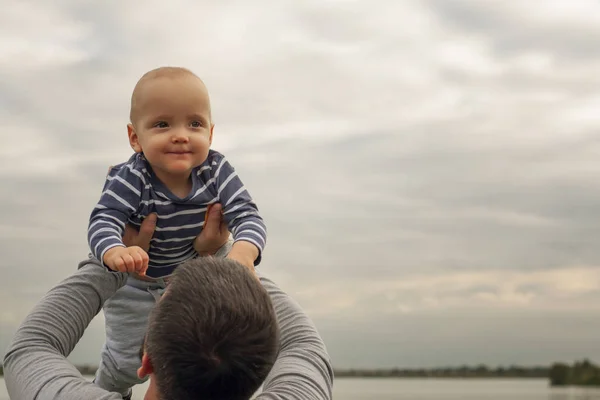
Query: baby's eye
[(196, 124), (161, 124)]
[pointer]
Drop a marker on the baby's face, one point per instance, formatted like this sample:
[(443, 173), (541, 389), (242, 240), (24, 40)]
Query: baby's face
[(172, 124)]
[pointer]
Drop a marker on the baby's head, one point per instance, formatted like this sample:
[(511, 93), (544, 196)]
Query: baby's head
[(171, 121)]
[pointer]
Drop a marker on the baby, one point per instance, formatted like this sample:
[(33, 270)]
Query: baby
[(175, 175)]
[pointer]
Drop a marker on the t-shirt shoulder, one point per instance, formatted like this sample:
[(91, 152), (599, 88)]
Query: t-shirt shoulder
[(137, 162), (214, 158), (209, 167)]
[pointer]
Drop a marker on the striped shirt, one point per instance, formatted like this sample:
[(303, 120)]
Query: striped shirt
[(132, 192)]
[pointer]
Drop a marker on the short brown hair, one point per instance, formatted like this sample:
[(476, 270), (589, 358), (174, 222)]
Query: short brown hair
[(214, 334)]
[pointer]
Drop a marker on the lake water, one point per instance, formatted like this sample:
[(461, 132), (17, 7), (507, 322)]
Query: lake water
[(439, 389)]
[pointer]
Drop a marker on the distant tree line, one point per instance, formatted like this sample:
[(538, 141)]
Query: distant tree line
[(480, 371), (581, 373)]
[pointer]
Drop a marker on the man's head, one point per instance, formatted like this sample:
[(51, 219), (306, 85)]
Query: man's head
[(213, 335), (170, 121)]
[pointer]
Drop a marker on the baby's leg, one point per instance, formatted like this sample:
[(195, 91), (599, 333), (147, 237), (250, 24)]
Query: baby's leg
[(126, 315)]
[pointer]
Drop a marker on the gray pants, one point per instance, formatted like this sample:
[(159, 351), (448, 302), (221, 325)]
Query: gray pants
[(126, 314)]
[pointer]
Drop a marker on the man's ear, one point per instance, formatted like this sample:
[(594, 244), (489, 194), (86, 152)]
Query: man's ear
[(146, 368), (133, 139)]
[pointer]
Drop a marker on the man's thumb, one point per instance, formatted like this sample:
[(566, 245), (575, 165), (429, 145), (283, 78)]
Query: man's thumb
[(213, 217), (147, 227)]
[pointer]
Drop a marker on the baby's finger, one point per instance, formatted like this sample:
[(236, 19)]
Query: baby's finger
[(145, 261), (129, 263), (119, 265), (137, 260), (143, 269)]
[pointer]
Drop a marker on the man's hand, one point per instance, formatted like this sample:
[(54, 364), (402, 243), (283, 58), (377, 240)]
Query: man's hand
[(214, 232), (245, 253), (127, 259), (141, 238)]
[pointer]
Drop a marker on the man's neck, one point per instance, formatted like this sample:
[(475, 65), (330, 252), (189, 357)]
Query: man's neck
[(152, 392)]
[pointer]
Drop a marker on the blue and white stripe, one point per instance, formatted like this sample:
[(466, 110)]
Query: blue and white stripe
[(132, 192)]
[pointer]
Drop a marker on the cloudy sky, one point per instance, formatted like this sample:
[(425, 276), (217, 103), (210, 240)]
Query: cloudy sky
[(428, 170)]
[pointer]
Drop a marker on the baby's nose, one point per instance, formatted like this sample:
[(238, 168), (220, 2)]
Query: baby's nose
[(179, 138)]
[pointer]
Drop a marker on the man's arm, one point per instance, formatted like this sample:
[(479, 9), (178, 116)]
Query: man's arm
[(303, 368), (35, 365)]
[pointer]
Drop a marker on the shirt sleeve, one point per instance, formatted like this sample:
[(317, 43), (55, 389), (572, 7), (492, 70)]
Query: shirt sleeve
[(119, 200), (303, 369), (239, 210), (35, 364)]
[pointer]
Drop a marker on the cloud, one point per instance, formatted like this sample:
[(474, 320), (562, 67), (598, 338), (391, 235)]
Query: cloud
[(40, 36), (426, 169), (562, 29), (564, 289)]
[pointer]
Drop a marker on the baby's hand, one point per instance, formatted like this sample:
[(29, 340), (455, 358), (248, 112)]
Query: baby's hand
[(246, 262), (244, 253), (127, 259)]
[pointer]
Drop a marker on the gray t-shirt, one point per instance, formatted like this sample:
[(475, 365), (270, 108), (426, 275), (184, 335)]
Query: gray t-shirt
[(35, 365)]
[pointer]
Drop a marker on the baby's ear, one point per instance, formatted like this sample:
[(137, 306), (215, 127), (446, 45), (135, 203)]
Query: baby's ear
[(212, 127), (133, 139)]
